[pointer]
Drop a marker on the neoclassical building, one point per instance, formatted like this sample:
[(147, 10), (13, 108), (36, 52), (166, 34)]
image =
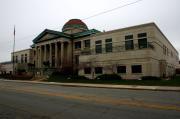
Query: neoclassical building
[(59, 50), (131, 52)]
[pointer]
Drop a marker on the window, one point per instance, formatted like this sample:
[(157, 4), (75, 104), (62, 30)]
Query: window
[(78, 45), (136, 68), (87, 44), (167, 52), (25, 59), (164, 49), (109, 45), (140, 35), (98, 70), (22, 58), (171, 54), (129, 45), (99, 46), (142, 40), (121, 69), (87, 70)]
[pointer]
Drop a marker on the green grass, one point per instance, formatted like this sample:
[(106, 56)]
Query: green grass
[(63, 79)]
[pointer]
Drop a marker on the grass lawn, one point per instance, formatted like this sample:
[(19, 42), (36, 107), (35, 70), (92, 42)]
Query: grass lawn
[(173, 82)]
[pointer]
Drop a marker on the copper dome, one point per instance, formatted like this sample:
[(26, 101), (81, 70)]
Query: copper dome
[(74, 24)]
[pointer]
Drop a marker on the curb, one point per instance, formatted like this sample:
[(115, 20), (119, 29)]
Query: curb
[(130, 87)]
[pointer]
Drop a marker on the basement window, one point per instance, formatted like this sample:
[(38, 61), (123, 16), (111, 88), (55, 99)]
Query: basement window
[(121, 69), (87, 70), (136, 68), (98, 70)]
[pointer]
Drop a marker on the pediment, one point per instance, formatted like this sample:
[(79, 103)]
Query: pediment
[(47, 36)]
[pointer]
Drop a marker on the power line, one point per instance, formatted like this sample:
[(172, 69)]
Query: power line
[(95, 15), (112, 9)]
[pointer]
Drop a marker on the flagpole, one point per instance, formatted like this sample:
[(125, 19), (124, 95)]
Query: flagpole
[(14, 50)]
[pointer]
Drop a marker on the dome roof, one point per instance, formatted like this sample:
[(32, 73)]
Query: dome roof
[(74, 24)]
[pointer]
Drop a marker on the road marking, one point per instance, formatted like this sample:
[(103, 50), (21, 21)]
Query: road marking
[(98, 99)]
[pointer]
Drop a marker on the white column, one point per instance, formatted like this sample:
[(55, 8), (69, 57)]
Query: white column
[(56, 55), (69, 50), (40, 57), (50, 54), (62, 53), (36, 57), (45, 51)]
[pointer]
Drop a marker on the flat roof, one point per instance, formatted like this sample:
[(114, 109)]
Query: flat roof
[(137, 26), (22, 50)]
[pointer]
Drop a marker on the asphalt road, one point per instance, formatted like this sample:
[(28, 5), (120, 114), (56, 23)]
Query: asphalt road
[(40, 101)]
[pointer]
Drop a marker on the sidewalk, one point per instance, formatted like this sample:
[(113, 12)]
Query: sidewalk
[(131, 87)]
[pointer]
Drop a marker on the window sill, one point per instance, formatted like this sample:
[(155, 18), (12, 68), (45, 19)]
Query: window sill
[(122, 73), (137, 73)]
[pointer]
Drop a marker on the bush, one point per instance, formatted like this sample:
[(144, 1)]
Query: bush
[(58, 76), (62, 76), (150, 78), (56, 73), (109, 77), (79, 77)]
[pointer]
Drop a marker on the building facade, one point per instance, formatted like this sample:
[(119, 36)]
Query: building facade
[(6, 67), (131, 52), (22, 59)]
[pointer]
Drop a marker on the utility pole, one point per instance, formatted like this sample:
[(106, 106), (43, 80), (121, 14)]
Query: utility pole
[(13, 50)]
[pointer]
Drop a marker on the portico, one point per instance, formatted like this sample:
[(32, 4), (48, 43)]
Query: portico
[(57, 53)]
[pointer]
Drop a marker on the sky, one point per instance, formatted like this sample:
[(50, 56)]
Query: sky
[(31, 17)]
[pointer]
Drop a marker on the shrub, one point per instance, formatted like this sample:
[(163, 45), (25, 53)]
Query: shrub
[(57, 76), (79, 77), (150, 78), (56, 73), (62, 76), (109, 77)]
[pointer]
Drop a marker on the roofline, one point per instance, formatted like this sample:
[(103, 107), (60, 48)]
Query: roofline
[(61, 34), (6, 62), (126, 28), (165, 37), (136, 26), (22, 50), (91, 31)]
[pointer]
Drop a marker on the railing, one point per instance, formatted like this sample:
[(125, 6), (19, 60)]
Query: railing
[(122, 48)]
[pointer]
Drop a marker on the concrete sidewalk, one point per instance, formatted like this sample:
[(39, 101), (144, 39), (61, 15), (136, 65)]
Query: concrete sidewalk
[(131, 87)]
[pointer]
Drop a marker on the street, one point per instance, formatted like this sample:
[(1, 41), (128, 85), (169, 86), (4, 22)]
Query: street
[(40, 101)]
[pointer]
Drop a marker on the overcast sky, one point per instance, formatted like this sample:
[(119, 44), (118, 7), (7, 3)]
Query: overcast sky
[(31, 17)]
